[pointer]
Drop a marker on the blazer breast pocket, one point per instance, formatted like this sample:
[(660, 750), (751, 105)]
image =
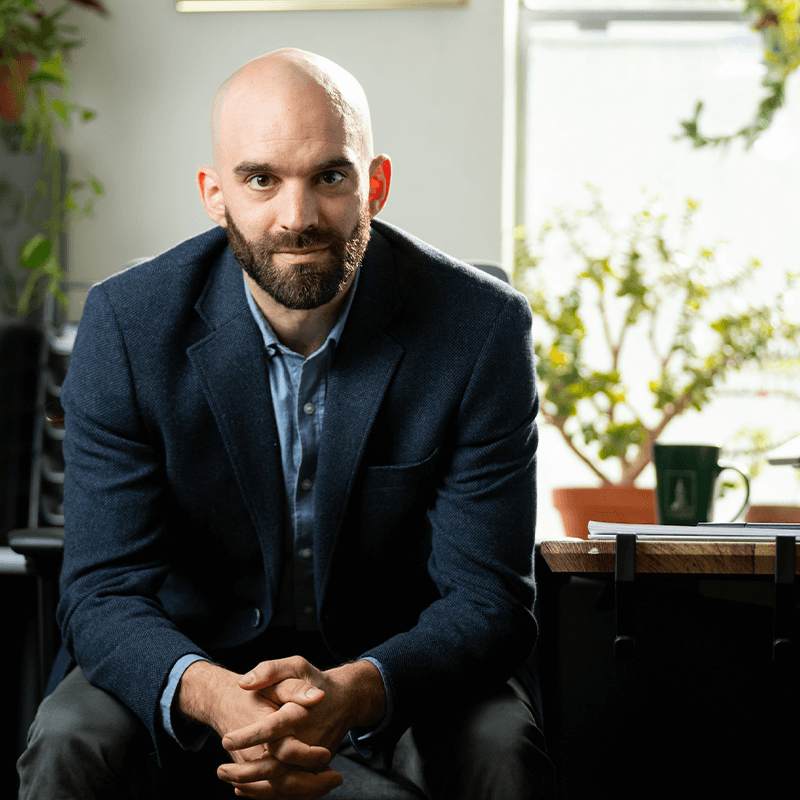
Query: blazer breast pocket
[(389, 508), (401, 475)]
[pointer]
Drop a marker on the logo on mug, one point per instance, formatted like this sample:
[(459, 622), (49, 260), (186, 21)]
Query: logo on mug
[(682, 493)]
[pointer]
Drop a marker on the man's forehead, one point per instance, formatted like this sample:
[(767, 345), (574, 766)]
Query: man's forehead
[(272, 135)]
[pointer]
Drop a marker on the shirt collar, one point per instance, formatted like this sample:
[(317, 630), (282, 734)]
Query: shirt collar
[(271, 340)]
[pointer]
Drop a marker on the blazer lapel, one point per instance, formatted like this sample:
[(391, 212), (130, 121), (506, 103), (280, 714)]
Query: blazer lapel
[(230, 362), (365, 361)]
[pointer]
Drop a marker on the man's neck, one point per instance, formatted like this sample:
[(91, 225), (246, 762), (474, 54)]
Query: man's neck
[(303, 331)]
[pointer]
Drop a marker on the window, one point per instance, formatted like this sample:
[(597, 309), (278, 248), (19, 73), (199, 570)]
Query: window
[(603, 89)]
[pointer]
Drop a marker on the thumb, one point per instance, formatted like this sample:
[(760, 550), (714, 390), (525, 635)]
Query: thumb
[(289, 690)]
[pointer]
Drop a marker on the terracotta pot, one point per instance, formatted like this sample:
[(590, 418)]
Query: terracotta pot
[(603, 504), (772, 514), (13, 83)]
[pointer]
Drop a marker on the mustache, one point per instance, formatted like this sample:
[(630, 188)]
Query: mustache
[(292, 240)]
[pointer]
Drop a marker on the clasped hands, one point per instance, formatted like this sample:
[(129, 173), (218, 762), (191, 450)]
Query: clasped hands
[(283, 721)]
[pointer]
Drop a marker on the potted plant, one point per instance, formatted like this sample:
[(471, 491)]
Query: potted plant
[(36, 102), (644, 326), (779, 23), (37, 205)]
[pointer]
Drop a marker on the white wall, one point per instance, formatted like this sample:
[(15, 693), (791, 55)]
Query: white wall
[(433, 77)]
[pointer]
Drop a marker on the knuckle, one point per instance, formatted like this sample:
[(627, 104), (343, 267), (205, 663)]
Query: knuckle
[(299, 663)]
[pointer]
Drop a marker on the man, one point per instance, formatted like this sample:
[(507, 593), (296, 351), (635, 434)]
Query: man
[(300, 495)]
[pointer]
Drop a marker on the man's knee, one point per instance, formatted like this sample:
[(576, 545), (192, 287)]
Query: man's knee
[(76, 710), (498, 743), (490, 747), (81, 740)]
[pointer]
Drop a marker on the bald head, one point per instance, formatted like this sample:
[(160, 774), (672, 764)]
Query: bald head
[(278, 84)]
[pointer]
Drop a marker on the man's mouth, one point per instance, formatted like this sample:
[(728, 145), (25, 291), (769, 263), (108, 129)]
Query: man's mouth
[(300, 256), (301, 251)]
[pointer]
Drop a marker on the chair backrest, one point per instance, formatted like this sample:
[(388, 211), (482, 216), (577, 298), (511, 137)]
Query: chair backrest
[(492, 268)]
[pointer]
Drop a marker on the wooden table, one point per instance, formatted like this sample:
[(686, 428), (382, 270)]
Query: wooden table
[(640, 557), (698, 699), (586, 556)]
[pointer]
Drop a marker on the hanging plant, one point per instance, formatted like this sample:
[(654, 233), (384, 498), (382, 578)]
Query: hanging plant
[(779, 23)]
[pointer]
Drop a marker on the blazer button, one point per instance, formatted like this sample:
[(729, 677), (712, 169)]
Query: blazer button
[(256, 617)]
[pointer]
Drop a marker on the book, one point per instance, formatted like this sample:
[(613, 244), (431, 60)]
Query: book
[(707, 531)]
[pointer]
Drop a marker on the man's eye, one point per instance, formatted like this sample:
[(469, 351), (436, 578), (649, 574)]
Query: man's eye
[(331, 178), (260, 181)]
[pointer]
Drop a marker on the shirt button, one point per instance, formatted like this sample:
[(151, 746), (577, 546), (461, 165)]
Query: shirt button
[(306, 553), (256, 617), (309, 408), (306, 484)]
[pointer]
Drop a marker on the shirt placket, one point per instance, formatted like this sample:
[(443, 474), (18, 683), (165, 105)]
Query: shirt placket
[(309, 408)]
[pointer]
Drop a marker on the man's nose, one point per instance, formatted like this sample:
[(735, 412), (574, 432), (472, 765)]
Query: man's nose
[(298, 208)]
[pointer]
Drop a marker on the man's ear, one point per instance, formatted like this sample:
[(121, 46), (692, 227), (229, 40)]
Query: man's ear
[(211, 191), (380, 176)]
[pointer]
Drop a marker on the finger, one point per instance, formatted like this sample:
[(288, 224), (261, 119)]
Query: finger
[(257, 792), (301, 786), (263, 769), (307, 785), (288, 752), (275, 726), (268, 673), (297, 785), (291, 690)]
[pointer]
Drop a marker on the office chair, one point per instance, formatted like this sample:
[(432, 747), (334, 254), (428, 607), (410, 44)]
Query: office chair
[(42, 541), (492, 268)]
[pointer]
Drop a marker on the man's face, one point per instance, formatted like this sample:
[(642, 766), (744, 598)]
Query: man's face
[(309, 284), (295, 180)]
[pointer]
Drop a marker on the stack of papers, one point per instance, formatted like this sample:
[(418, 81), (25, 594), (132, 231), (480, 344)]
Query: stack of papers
[(788, 453), (740, 531)]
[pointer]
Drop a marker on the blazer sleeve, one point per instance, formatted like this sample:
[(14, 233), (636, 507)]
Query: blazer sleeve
[(482, 522), (111, 619)]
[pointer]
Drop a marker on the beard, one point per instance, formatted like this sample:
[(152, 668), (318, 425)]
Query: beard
[(301, 286)]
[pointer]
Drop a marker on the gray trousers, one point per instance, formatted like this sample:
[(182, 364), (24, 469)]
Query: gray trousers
[(85, 745)]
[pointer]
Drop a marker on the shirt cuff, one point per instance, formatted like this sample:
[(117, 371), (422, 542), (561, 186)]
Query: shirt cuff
[(360, 737), (189, 735)]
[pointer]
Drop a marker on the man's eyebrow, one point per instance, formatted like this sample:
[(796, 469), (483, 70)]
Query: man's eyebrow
[(335, 163), (246, 167), (250, 167)]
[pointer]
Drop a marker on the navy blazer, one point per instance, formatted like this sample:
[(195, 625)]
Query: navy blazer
[(425, 489)]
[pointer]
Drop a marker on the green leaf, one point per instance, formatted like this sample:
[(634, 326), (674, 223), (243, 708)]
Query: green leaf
[(35, 252), (63, 110), (45, 77), (53, 69)]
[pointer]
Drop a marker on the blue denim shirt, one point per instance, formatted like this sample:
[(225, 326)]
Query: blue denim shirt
[(298, 388)]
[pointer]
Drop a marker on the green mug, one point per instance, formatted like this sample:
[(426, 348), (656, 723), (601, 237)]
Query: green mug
[(686, 482)]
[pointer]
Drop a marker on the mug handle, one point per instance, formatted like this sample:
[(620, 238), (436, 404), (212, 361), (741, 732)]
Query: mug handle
[(745, 474)]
